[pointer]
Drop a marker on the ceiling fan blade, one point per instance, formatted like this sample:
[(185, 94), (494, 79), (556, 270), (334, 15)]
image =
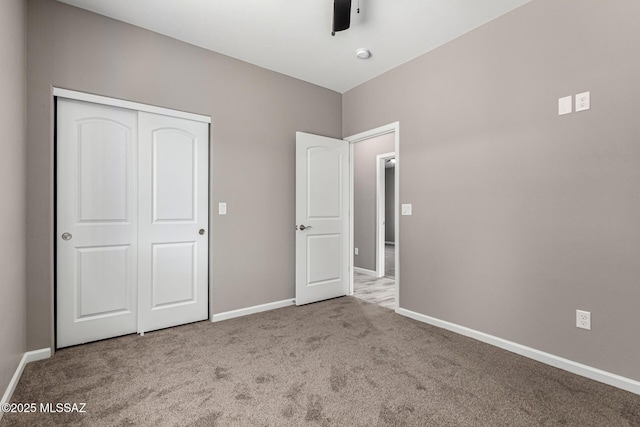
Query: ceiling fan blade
[(341, 15)]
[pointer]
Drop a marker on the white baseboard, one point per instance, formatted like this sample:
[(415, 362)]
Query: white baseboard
[(365, 271), (29, 356), (614, 380), (251, 310)]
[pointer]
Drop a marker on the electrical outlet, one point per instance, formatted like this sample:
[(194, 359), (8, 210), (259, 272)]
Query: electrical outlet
[(583, 319), (356, 251), (583, 101)]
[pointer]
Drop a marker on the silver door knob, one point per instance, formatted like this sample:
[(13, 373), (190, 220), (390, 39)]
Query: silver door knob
[(302, 227), (201, 232), (66, 236)]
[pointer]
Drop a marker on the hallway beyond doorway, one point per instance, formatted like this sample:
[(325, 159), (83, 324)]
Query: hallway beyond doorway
[(378, 290)]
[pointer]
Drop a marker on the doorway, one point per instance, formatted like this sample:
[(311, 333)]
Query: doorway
[(375, 251)]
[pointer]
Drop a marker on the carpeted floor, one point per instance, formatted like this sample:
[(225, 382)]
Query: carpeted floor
[(339, 362)]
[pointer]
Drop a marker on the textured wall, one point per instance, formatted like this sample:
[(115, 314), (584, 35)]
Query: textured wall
[(521, 216), (364, 197), (12, 188), (255, 116)]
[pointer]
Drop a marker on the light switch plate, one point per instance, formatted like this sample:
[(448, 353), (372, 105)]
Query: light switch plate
[(406, 209), (222, 208), (564, 105)]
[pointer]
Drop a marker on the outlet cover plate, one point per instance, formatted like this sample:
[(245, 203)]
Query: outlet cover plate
[(583, 319), (583, 101)]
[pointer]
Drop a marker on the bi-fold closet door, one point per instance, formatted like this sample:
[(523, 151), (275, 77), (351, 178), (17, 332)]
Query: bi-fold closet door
[(132, 221)]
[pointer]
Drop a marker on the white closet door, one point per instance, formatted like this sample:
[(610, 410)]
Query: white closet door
[(173, 221), (96, 222)]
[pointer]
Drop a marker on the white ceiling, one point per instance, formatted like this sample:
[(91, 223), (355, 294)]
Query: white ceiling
[(293, 37)]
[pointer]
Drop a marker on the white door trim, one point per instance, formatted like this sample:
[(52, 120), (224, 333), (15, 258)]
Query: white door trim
[(382, 130), (104, 100), (381, 160)]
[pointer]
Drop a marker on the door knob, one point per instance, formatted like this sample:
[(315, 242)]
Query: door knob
[(66, 236), (201, 232), (302, 227)]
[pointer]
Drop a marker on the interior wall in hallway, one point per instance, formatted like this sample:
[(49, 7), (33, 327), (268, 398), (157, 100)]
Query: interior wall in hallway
[(364, 197), (389, 208)]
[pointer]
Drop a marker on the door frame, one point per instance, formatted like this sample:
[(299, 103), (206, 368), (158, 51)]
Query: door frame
[(120, 103), (129, 105), (381, 215), (382, 130)]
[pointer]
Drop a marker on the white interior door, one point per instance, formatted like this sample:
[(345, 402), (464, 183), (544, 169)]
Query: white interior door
[(96, 222), (322, 218), (173, 221)]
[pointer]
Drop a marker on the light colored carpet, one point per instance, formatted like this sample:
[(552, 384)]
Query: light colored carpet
[(340, 362)]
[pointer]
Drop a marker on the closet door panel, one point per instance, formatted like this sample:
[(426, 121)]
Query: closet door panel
[(96, 224), (173, 221)]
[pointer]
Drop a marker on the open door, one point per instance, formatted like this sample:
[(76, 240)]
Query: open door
[(322, 218)]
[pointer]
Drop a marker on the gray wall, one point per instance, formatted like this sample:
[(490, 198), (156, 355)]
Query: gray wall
[(389, 207), (255, 116), (521, 216), (12, 188), (364, 197)]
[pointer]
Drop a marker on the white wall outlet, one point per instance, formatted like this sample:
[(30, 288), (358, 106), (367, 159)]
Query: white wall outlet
[(406, 209), (222, 208), (583, 319), (355, 251), (564, 105), (583, 101)]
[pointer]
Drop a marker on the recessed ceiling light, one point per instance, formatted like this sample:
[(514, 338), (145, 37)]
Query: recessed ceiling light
[(363, 54)]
